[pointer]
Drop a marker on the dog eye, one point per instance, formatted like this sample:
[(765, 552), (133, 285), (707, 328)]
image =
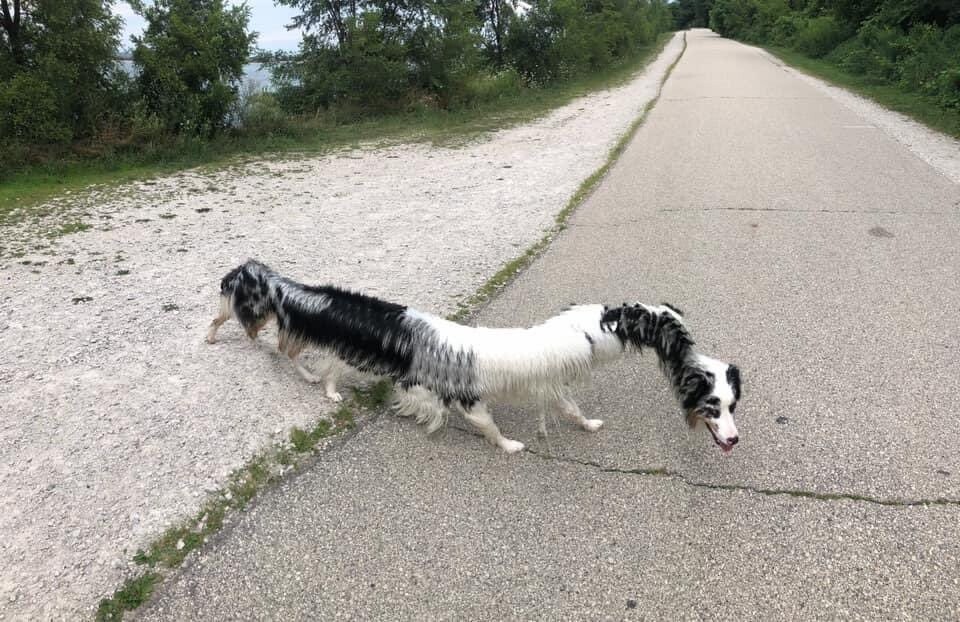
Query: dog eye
[(733, 407)]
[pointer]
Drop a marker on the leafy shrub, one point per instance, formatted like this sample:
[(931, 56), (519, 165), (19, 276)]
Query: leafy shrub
[(785, 29), (486, 87), (819, 36), (29, 111), (261, 114), (946, 86)]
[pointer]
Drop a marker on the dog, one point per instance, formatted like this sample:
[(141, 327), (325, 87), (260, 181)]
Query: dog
[(439, 365)]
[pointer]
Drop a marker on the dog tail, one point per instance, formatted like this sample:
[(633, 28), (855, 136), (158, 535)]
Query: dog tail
[(418, 402)]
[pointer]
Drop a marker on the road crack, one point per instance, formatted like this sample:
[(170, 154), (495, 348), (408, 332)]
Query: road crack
[(665, 473)]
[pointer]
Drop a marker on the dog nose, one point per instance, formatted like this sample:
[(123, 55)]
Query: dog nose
[(733, 440)]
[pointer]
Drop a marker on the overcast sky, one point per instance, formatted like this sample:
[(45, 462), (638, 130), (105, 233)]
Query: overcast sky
[(265, 18)]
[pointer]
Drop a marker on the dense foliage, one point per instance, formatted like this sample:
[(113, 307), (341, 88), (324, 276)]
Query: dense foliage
[(62, 89), (190, 63), (912, 44), (58, 79), (376, 55)]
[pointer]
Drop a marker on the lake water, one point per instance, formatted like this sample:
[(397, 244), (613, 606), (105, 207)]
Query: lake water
[(254, 74)]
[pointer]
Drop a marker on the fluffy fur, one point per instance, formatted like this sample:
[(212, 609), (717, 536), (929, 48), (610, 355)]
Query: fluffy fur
[(439, 365)]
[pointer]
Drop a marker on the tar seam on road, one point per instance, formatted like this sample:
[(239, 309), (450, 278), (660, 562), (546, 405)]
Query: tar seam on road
[(666, 473), (674, 210)]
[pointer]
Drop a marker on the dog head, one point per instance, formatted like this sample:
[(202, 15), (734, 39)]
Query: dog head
[(709, 391)]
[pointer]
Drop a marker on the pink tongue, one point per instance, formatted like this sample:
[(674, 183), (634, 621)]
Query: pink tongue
[(726, 448)]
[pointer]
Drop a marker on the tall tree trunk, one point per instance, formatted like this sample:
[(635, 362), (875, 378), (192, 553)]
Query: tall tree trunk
[(335, 9), (496, 18), (11, 24)]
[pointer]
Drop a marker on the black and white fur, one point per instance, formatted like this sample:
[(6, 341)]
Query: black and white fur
[(438, 364)]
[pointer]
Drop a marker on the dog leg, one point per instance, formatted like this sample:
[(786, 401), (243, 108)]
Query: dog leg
[(225, 314), (542, 427), (332, 371), (570, 410), (479, 416), (551, 406), (309, 376), (254, 329)]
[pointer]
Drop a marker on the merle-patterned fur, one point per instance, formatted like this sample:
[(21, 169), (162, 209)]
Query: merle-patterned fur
[(642, 326), (436, 362), (368, 334)]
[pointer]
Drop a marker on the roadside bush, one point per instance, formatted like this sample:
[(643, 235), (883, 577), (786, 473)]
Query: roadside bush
[(947, 88), (259, 113), (29, 111), (484, 86), (556, 39), (819, 36), (785, 29), (732, 18)]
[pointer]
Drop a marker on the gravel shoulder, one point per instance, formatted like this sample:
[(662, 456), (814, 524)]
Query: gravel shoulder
[(118, 420)]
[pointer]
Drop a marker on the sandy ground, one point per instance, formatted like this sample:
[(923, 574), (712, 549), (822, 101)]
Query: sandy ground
[(118, 420)]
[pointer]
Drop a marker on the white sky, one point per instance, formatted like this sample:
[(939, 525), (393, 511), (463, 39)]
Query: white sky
[(265, 18)]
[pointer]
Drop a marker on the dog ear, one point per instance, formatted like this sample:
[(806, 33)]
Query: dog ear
[(733, 377), (694, 386)]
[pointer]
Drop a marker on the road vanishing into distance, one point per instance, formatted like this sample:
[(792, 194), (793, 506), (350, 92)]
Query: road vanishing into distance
[(803, 244)]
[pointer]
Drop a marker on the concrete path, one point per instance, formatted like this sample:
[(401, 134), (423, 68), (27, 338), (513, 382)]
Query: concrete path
[(804, 245)]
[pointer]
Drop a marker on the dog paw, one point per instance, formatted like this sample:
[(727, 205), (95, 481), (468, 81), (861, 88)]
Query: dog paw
[(335, 396), (511, 447), (592, 425)]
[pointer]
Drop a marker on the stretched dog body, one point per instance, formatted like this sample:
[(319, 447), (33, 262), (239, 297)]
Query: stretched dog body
[(438, 364)]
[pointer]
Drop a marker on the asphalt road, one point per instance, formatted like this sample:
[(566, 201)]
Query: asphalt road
[(804, 245)]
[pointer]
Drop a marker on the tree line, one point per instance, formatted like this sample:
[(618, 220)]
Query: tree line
[(912, 44), (60, 81)]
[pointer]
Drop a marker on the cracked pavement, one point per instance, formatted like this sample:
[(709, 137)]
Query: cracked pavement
[(819, 257)]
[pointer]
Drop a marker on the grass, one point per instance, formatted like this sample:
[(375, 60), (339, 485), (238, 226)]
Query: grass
[(917, 106), (133, 594), (43, 181)]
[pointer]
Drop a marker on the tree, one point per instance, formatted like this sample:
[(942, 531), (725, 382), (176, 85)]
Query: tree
[(325, 18), (57, 68), (495, 16), (11, 28), (378, 55), (190, 62)]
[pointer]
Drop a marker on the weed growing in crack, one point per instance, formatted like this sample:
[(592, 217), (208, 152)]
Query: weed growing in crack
[(133, 594)]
